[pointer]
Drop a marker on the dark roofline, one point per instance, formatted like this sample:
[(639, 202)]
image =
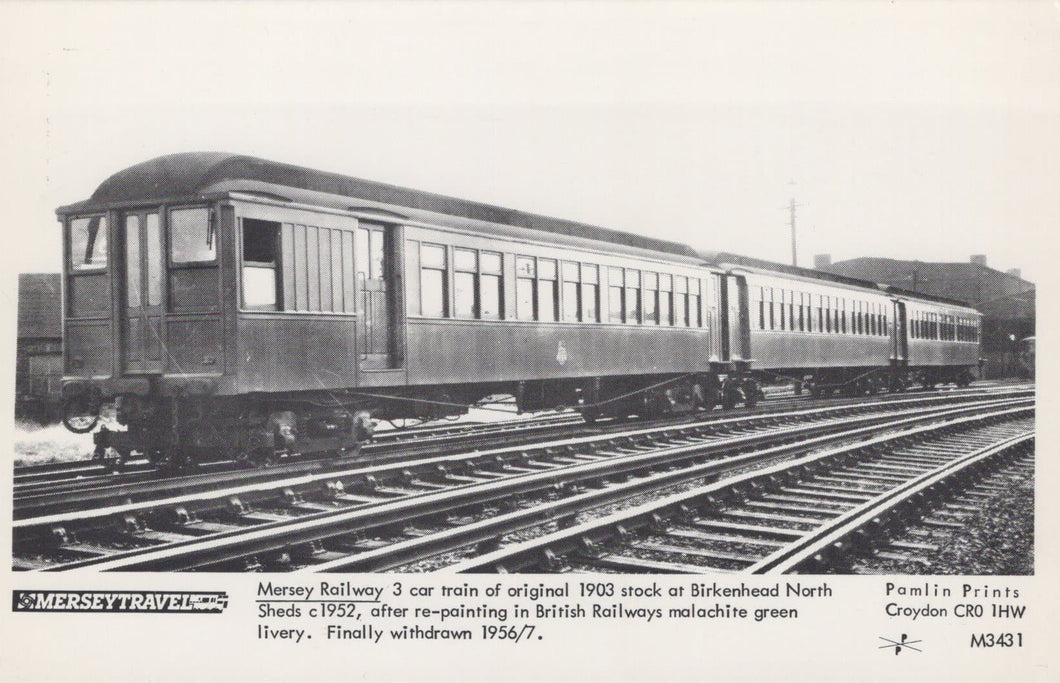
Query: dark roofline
[(965, 264), (190, 174)]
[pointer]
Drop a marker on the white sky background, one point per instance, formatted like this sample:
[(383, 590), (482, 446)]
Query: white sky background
[(911, 130)]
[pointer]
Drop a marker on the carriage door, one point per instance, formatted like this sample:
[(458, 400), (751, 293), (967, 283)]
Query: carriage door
[(142, 308), (900, 340), (739, 334), (375, 264)]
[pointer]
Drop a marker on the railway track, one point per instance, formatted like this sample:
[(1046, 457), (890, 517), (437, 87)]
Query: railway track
[(57, 479), (89, 495), (374, 524), (816, 514), (29, 479)]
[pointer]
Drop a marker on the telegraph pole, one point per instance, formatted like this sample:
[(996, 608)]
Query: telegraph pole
[(790, 208), (794, 251)]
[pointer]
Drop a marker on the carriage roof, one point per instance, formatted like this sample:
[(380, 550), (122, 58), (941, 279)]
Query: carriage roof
[(196, 174)]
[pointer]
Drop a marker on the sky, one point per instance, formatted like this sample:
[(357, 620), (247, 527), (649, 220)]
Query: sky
[(905, 130)]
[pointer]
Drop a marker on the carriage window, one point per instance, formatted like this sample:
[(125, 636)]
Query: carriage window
[(433, 291), (680, 301), (616, 309), (465, 267), (632, 296), (651, 298), (571, 293), (525, 272), (259, 264), (191, 236), (88, 243), (590, 293), (490, 285), (666, 289), (547, 292), (695, 310)]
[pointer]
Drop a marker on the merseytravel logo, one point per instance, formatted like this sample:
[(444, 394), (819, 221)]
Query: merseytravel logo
[(155, 602)]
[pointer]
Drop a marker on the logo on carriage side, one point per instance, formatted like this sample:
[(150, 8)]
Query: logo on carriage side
[(561, 354)]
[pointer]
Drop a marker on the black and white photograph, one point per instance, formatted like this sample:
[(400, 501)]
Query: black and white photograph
[(708, 319)]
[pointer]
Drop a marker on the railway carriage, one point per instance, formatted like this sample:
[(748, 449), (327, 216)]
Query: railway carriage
[(221, 306), (827, 332), (249, 308)]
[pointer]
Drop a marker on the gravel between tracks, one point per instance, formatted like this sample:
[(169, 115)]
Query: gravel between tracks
[(998, 541)]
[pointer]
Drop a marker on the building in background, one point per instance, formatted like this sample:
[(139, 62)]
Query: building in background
[(1005, 299), (39, 351)]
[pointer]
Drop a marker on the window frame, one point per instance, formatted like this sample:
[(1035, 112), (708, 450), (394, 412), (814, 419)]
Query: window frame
[(211, 228)]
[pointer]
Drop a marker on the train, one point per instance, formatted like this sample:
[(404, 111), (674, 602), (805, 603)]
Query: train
[(221, 306)]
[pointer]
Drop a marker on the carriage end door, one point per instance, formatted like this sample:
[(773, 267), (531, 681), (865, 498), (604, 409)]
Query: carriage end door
[(142, 306), (377, 291), (900, 349)]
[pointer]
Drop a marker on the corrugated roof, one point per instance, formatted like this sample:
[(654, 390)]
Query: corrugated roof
[(39, 305), (191, 173)]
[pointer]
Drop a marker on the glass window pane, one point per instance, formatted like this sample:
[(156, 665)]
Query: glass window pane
[(546, 269), (524, 266), (431, 256), (88, 243), (259, 287), (615, 305), (570, 272), (154, 260), (491, 297), (570, 301), (681, 284), (664, 308), (524, 297), (666, 282), (375, 250), (464, 290), (590, 309), (632, 278), (680, 315), (190, 236), (633, 305), (651, 280), (650, 307), (491, 262), (432, 293), (615, 277), (590, 273), (546, 299), (465, 259), (133, 286)]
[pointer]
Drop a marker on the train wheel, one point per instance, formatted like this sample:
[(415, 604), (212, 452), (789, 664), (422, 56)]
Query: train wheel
[(264, 458), (80, 415), (751, 393), (730, 397)]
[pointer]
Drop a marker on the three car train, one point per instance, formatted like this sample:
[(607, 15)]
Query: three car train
[(219, 305)]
